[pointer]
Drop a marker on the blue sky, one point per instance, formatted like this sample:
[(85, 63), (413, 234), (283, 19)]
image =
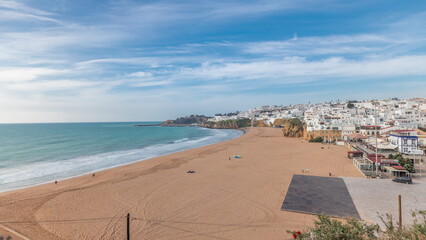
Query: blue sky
[(119, 60)]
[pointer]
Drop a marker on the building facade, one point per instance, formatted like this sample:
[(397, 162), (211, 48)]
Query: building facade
[(406, 140)]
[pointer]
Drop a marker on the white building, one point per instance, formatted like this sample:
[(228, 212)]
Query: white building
[(406, 140)]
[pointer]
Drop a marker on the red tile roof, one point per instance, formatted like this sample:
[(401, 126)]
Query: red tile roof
[(388, 127), (399, 167), (373, 159), (354, 152)]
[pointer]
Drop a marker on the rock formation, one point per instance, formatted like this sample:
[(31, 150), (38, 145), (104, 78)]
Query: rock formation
[(197, 120), (228, 124), (291, 127)]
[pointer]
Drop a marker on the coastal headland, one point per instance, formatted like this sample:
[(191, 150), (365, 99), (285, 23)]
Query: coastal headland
[(225, 197)]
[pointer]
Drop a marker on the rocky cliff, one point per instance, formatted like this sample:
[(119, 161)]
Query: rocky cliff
[(228, 124), (292, 127), (261, 123), (197, 120)]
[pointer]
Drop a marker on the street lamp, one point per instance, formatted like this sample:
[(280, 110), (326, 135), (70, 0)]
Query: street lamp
[(375, 133)]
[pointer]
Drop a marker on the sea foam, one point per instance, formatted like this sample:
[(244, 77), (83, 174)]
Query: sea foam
[(43, 172)]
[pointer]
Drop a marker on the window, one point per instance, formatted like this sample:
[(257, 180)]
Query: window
[(404, 141), (405, 149)]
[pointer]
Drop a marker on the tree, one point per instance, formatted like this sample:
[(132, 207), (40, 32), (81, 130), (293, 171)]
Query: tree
[(350, 105), (404, 162)]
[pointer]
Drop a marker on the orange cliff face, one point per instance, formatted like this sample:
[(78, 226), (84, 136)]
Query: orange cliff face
[(292, 127)]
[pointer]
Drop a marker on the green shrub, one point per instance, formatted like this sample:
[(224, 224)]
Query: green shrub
[(295, 122), (330, 229), (326, 228), (237, 122), (404, 162), (317, 139)]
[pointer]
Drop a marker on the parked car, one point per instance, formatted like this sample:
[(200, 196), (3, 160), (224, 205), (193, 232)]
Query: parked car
[(405, 179)]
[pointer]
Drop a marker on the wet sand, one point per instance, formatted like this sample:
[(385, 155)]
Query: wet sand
[(223, 199)]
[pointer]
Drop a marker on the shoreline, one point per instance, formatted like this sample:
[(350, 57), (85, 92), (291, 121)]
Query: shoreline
[(120, 165), (221, 195)]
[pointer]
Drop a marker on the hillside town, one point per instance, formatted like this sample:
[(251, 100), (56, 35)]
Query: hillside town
[(376, 131)]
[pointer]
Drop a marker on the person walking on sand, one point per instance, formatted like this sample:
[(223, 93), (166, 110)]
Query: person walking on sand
[(229, 158)]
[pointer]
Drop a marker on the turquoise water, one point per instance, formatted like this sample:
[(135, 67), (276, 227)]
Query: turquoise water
[(32, 154)]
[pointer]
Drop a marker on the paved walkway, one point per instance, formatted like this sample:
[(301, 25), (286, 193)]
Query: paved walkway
[(319, 195), (380, 196), (364, 148)]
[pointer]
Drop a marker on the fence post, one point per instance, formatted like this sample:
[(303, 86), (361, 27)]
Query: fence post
[(128, 226), (399, 212)]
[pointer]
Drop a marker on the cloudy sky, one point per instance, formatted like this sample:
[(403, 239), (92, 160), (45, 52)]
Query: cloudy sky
[(123, 60)]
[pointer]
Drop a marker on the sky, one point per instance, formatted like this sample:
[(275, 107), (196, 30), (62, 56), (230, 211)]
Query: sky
[(123, 60)]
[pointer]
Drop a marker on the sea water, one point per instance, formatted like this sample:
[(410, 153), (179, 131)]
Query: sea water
[(32, 154)]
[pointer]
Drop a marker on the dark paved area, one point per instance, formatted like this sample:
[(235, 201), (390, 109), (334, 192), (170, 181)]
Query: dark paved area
[(319, 195)]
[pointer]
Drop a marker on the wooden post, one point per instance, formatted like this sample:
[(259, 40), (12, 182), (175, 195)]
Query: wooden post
[(399, 212), (128, 226)]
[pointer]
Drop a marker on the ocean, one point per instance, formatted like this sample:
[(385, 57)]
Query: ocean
[(32, 154)]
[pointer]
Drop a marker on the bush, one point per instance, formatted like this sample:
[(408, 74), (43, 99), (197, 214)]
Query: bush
[(317, 139), (330, 229), (295, 122), (326, 228)]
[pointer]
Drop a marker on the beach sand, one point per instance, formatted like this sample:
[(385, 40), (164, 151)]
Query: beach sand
[(223, 199)]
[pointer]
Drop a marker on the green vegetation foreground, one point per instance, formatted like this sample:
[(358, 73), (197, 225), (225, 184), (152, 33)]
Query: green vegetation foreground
[(329, 229)]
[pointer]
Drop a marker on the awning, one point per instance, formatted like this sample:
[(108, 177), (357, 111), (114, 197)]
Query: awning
[(392, 169)]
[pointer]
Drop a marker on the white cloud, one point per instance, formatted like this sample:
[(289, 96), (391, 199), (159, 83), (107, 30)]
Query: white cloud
[(52, 43), (140, 74), (52, 85), (290, 70), (175, 12), (150, 83), (92, 66), (327, 45), (17, 6), (13, 10), (26, 74)]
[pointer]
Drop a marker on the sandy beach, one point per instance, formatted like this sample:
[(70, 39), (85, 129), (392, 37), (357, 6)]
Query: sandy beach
[(223, 199)]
